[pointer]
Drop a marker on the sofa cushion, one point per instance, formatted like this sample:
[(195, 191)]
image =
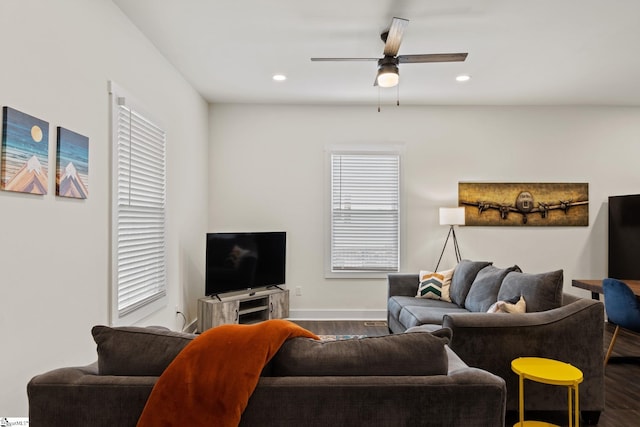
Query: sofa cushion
[(414, 315), (137, 351), (541, 291), (485, 287), (419, 353), (463, 276), (397, 303), (435, 285)]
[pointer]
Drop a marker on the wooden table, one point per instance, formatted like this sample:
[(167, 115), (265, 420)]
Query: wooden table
[(595, 286)]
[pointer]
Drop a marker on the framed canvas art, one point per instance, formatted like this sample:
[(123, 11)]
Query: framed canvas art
[(72, 157), (25, 153), (525, 204)]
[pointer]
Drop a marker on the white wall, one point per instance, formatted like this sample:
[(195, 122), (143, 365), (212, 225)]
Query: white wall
[(267, 172), (57, 58)]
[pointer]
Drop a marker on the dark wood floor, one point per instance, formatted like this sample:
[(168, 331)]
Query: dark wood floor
[(622, 378)]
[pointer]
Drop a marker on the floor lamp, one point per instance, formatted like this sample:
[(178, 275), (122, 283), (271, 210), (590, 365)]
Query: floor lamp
[(451, 217)]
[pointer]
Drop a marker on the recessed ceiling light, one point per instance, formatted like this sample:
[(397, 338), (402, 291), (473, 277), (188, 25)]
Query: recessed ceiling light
[(279, 77), (463, 78)]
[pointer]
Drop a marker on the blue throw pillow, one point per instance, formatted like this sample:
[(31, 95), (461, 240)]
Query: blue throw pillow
[(542, 291), (485, 287), (463, 277)]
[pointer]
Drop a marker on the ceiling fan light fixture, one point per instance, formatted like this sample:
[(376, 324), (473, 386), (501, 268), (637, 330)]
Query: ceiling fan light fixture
[(388, 75)]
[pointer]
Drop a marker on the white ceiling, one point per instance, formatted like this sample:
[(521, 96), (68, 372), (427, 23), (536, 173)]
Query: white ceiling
[(521, 52)]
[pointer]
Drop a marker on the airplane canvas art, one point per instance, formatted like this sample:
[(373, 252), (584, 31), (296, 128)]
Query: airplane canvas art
[(72, 172), (525, 204), (25, 152)]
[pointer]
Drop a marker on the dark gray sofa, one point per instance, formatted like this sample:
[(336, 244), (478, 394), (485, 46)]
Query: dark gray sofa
[(571, 332), (411, 379)]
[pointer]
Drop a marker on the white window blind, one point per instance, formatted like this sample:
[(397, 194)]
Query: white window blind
[(365, 204), (139, 214)]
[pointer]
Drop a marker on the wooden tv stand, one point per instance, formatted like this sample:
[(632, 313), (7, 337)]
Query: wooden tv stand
[(242, 309)]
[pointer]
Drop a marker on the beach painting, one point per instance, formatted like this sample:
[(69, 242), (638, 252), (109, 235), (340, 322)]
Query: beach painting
[(72, 171), (25, 153)]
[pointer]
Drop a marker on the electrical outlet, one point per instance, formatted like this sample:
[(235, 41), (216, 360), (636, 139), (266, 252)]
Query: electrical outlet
[(298, 290)]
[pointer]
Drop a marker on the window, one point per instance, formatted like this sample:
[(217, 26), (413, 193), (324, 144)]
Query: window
[(365, 200), (138, 212)]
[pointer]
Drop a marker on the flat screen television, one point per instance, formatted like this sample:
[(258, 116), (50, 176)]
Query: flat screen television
[(624, 237), (244, 261)]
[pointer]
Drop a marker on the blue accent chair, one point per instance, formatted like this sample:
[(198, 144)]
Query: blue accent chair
[(623, 309)]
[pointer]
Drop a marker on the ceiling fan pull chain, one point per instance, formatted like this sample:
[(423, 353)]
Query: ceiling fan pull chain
[(398, 94), (378, 99)]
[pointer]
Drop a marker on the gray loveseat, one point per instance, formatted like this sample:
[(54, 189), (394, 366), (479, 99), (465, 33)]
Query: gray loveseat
[(411, 379), (556, 325)]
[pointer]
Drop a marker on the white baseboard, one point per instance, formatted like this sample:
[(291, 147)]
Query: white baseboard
[(346, 314)]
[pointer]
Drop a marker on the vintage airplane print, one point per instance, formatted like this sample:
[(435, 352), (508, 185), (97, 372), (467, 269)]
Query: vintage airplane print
[(525, 204)]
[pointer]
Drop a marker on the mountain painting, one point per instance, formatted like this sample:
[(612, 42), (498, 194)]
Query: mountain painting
[(25, 153), (72, 174)]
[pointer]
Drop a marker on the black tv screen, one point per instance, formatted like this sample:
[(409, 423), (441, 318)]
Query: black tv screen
[(624, 237), (243, 261)]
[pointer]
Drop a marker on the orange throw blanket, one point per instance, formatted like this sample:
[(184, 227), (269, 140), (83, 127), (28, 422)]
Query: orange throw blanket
[(210, 381)]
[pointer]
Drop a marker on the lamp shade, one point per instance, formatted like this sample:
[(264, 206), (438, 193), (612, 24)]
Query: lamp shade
[(452, 216)]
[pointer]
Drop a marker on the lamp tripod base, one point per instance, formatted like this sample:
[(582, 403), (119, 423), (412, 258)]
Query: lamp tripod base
[(456, 248)]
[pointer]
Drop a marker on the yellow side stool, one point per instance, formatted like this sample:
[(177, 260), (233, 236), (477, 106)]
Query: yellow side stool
[(548, 371)]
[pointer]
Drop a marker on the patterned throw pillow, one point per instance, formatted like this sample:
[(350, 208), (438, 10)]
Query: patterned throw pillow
[(435, 285), (514, 305)]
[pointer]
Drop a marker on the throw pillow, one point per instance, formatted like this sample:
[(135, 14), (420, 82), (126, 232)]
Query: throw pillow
[(485, 287), (418, 353), (515, 305), (137, 351), (542, 291), (463, 276), (435, 285)]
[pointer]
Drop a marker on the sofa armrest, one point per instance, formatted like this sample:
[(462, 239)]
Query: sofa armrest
[(572, 333), (78, 396), (569, 298), (402, 284)]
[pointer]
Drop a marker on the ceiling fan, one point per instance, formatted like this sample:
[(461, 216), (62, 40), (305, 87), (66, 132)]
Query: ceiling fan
[(388, 73)]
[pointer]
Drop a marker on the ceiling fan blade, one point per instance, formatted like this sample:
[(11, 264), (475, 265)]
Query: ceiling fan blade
[(344, 59), (394, 36), (433, 57)]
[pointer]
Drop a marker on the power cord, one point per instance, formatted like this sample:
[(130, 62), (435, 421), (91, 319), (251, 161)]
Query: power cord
[(184, 325)]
